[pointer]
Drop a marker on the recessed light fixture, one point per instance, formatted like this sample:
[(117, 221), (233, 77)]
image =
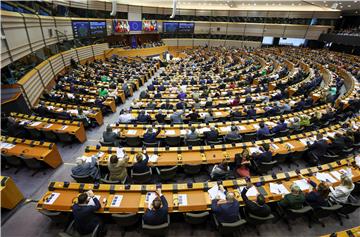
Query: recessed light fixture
[(349, 5), (341, 6)]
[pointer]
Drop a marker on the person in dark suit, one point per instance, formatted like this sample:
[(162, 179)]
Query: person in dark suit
[(319, 196), (160, 117), (141, 164), (258, 208), (265, 156), (143, 118), (212, 135), (150, 135), (250, 112), (262, 131), (41, 110), (167, 105), (339, 142), (237, 113), (281, 126), (158, 212), (226, 211), (84, 215), (193, 116), (109, 135), (317, 149)]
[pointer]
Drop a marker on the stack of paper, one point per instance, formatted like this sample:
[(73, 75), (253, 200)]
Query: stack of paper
[(153, 158), (91, 201), (34, 124), (303, 184), (64, 127), (218, 113), (59, 110), (325, 177), (252, 192), (5, 145), (304, 141), (120, 152), (290, 145), (275, 147), (131, 132), (202, 130), (241, 127), (256, 126), (150, 196), (52, 198), (182, 199), (214, 192), (73, 111), (23, 122), (116, 201), (278, 189), (48, 125), (225, 129), (255, 149), (336, 174), (170, 132)]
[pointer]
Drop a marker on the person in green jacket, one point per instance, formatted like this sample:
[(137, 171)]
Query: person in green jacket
[(304, 120), (103, 92), (294, 200), (105, 78)]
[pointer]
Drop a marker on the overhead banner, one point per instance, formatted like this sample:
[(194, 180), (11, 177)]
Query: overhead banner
[(135, 25)]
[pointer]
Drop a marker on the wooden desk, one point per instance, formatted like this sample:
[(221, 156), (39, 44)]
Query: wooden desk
[(347, 233), (55, 125), (91, 112), (134, 196), (43, 151), (10, 195)]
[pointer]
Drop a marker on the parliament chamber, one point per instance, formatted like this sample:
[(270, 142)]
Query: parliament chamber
[(180, 118)]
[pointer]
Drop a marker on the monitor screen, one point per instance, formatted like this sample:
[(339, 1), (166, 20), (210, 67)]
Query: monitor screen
[(135, 25), (80, 29), (268, 40), (186, 27), (170, 27), (291, 41), (121, 26), (150, 26), (97, 28)]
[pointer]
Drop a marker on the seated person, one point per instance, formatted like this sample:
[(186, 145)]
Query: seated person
[(193, 116), (293, 200), (85, 218), (167, 105), (117, 168), (208, 116), (226, 211), (212, 135), (316, 150), (141, 164), (176, 117), (151, 105), (258, 208), (84, 168), (41, 110), (281, 126), (318, 197), (150, 135), (263, 130), (220, 171), (103, 92), (233, 134), (143, 117), (265, 156), (125, 117), (158, 213), (180, 105), (192, 134), (109, 135), (81, 116), (250, 112), (242, 162), (237, 113), (341, 193), (160, 117)]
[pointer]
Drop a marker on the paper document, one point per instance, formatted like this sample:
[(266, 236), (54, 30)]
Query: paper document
[(278, 188), (52, 198), (214, 192), (225, 129), (336, 174), (47, 125), (303, 184), (255, 149), (256, 126), (325, 177), (5, 145), (120, 152), (64, 127), (116, 201), (275, 147), (170, 132), (150, 196), (153, 158), (73, 111), (252, 192), (304, 141), (182, 199), (91, 201), (59, 110), (183, 132), (23, 122), (242, 128), (289, 145), (218, 113), (34, 124), (131, 132)]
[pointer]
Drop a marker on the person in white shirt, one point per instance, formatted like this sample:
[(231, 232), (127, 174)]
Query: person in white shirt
[(341, 193), (125, 117)]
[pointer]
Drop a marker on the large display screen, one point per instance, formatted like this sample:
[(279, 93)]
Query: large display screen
[(291, 41), (149, 26), (170, 27), (186, 27), (80, 29), (121, 26), (97, 28)]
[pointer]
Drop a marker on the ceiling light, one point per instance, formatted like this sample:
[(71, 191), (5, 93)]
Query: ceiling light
[(349, 5), (341, 6)]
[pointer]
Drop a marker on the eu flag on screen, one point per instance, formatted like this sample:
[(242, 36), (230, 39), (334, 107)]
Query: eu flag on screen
[(135, 25)]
